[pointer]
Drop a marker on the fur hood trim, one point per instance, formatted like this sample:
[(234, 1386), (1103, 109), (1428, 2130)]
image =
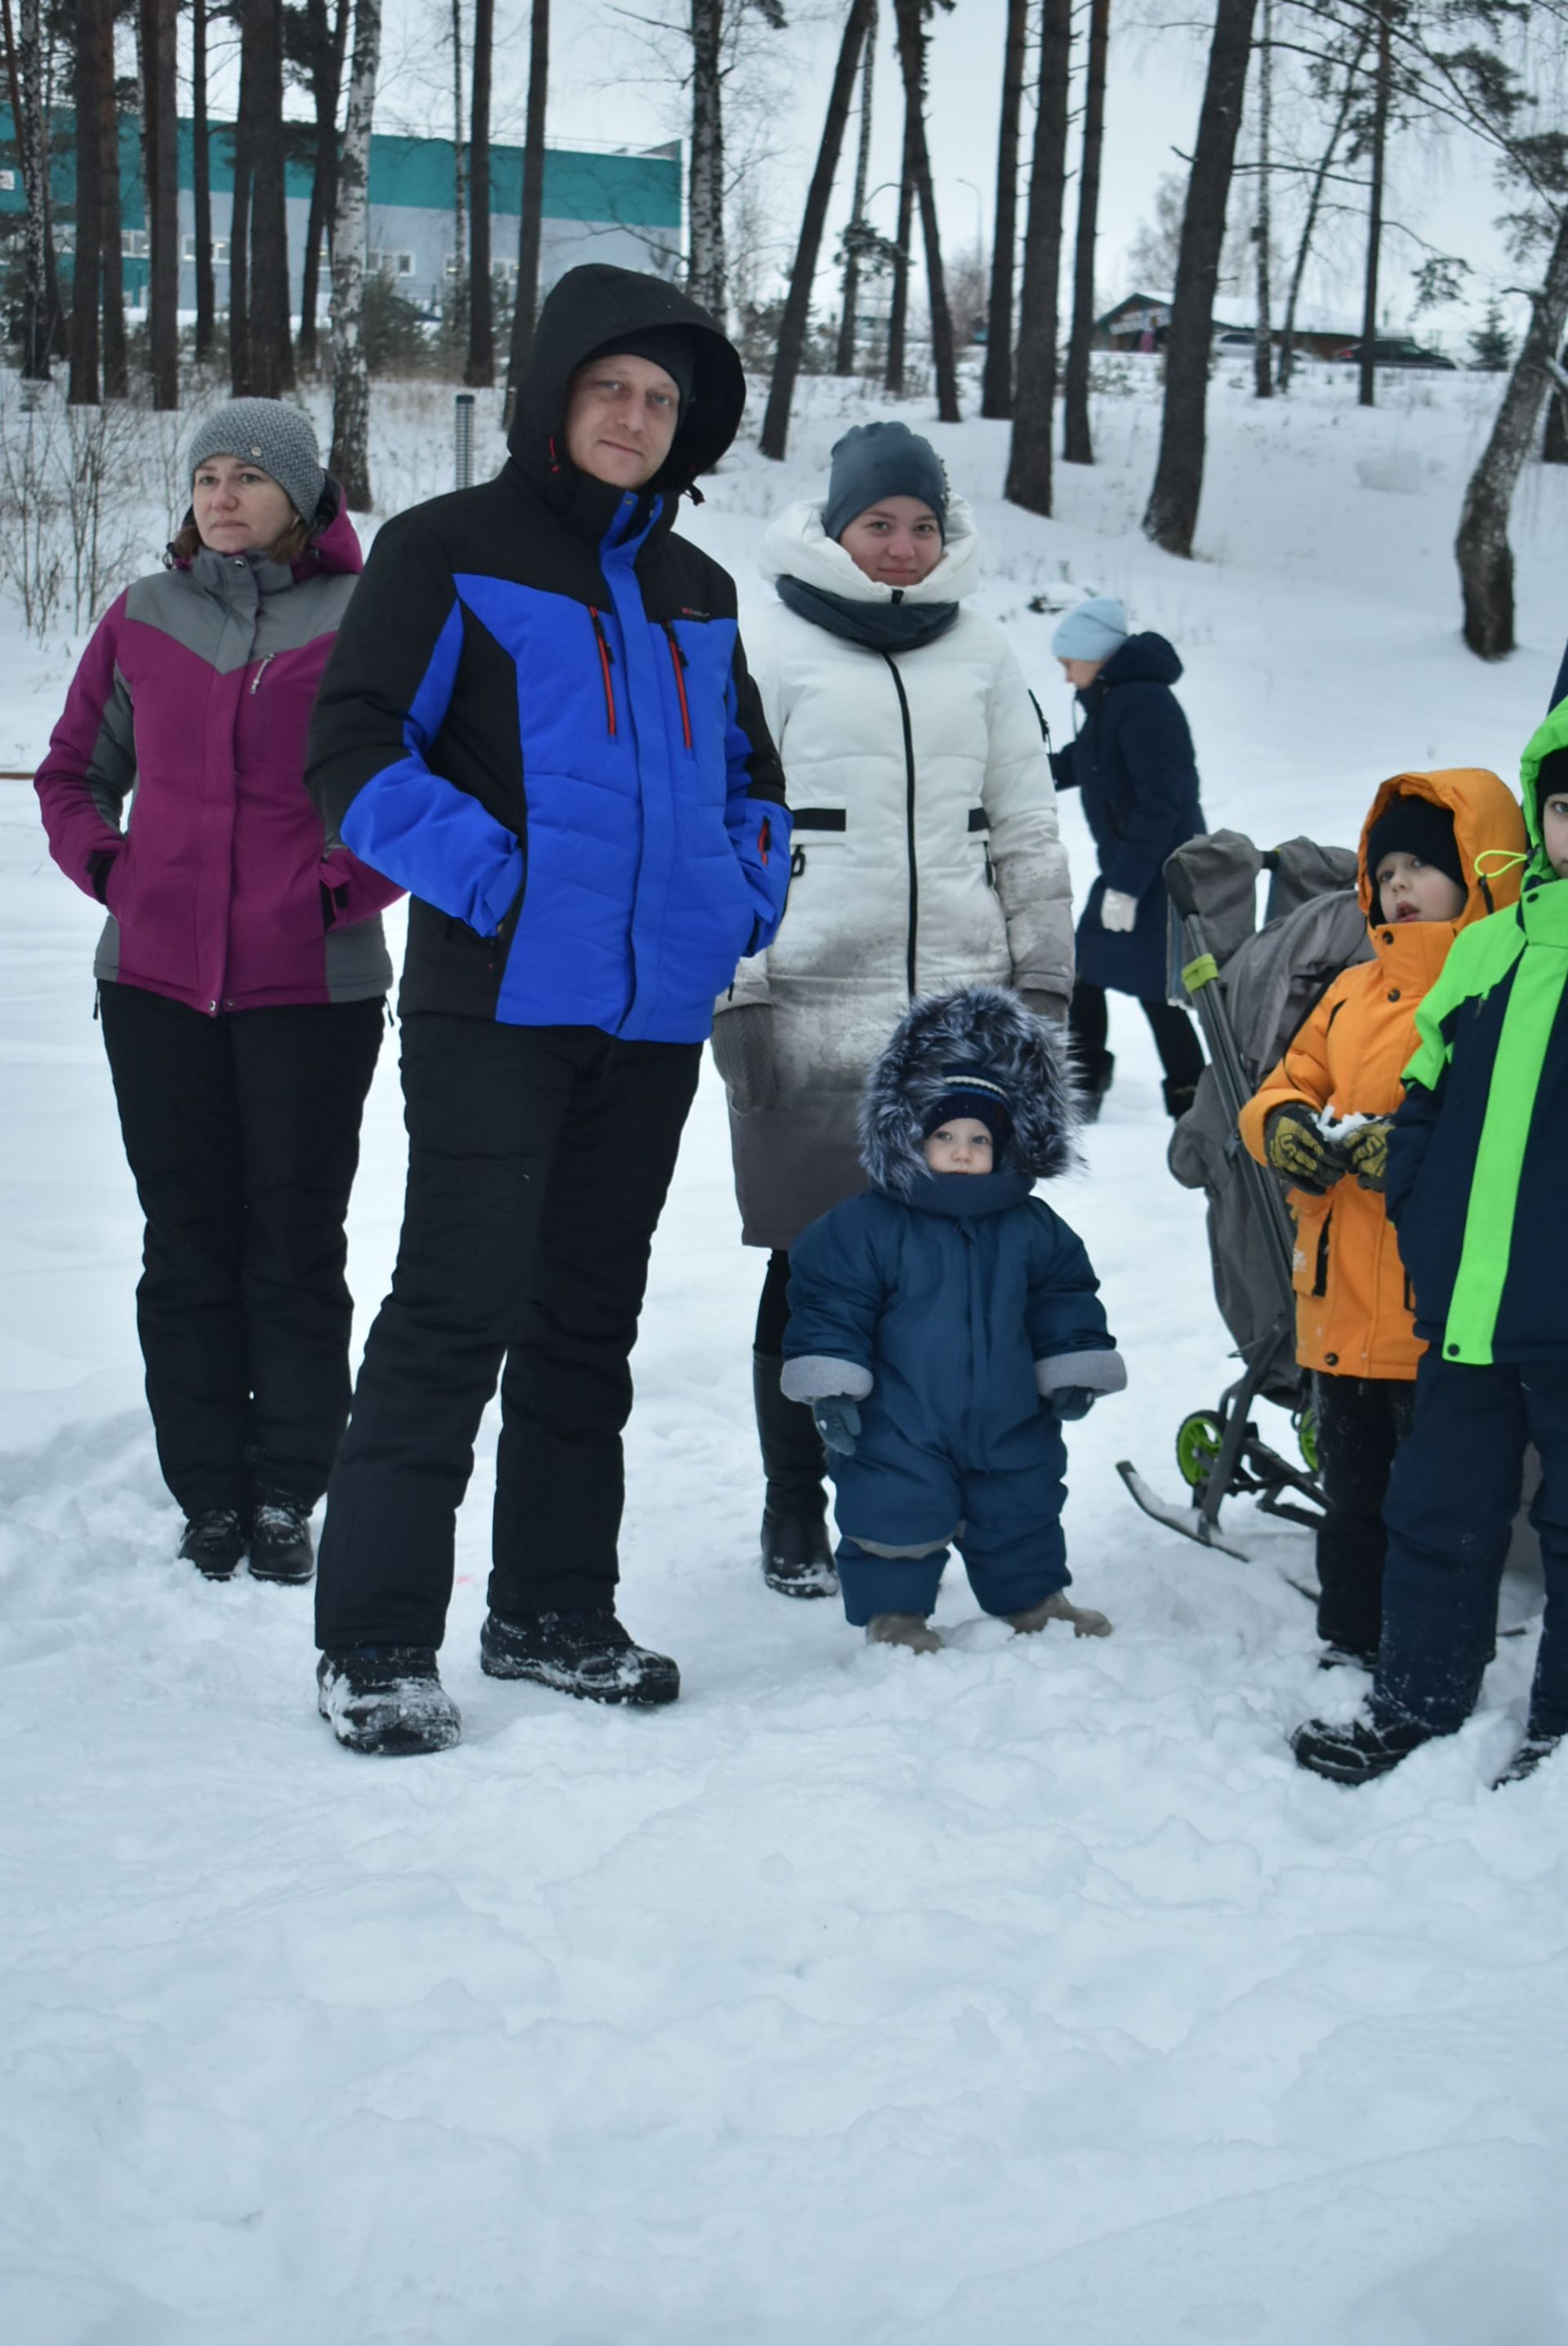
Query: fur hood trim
[(984, 1027)]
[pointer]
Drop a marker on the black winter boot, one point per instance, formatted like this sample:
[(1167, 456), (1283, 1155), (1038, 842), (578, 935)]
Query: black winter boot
[(281, 1544), (1092, 1086), (797, 1554), (387, 1700), (1178, 1098), (214, 1542), (1358, 1751), (585, 1654)]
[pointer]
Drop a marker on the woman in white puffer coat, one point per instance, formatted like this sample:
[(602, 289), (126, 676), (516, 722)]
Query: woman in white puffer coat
[(925, 859)]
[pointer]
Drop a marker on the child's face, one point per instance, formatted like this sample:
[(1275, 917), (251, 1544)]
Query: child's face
[(963, 1144), (1414, 891), (1554, 831)]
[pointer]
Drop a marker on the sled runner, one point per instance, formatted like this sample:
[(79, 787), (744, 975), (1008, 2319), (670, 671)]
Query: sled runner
[(1251, 988)]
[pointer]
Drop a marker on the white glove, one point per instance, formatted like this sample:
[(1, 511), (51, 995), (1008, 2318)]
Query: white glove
[(1117, 912)]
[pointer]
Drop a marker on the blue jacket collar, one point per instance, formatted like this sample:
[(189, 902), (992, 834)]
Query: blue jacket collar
[(966, 1197)]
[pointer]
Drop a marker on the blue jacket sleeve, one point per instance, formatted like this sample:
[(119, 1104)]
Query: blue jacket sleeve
[(1155, 749), (1067, 1333), (838, 1288), (756, 816), (378, 714)]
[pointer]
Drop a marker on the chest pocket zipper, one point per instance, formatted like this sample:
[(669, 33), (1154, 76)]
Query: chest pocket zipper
[(606, 663), (678, 662)]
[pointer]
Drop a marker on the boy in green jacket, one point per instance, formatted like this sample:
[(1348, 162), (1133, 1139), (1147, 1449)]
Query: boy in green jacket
[(1476, 1192)]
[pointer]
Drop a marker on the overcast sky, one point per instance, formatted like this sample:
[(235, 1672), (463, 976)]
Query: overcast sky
[(616, 81)]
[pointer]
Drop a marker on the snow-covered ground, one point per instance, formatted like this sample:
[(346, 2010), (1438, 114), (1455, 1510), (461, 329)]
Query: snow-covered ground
[(1023, 1993)]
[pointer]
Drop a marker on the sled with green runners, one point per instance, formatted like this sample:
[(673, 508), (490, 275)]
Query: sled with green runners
[(1250, 988)]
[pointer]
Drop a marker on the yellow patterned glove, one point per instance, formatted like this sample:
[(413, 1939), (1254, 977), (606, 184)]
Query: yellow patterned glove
[(1367, 1149), (1294, 1147)]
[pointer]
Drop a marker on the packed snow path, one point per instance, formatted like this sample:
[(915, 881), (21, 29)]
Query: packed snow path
[(1022, 1992)]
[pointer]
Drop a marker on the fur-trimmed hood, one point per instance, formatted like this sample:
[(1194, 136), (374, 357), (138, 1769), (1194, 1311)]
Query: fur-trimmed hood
[(984, 1027)]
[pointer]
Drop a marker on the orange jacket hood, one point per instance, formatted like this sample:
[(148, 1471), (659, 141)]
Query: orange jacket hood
[(1487, 823)]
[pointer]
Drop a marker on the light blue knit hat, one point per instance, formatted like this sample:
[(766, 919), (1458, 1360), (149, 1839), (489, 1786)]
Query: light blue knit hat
[(1091, 630)]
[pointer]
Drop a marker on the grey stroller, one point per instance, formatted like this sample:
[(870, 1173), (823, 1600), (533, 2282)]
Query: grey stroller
[(1251, 988)]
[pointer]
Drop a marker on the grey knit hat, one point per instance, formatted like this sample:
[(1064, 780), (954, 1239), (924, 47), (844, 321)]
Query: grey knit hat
[(278, 438), (882, 460)]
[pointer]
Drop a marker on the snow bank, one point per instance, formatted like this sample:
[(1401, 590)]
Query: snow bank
[(1022, 1992)]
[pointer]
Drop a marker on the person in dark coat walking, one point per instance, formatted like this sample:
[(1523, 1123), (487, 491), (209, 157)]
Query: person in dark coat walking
[(541, 721), (1133, 759), (944, 1324), (243, 978)]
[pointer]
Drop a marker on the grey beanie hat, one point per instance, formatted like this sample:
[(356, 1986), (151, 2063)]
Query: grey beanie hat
[(278, 438), (882, 460)]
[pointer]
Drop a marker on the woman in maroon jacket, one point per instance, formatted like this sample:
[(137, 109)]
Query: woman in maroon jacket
[(242, 979)]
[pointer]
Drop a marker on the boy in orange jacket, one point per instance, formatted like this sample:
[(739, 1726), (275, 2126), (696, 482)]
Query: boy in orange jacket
[(1428, 859)]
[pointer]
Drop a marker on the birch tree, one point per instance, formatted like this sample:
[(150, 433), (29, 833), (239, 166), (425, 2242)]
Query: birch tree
[(910, 16), (707, 269), (855, 235), (351, 460)]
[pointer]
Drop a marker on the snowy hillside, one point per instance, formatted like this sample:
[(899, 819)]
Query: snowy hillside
[(1025, 1993)]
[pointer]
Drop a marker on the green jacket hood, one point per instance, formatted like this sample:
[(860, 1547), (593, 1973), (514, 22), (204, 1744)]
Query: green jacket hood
[(1551, 734)]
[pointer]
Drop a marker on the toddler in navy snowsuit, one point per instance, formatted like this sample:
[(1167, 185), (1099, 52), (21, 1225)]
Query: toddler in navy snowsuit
[(944, 1324)]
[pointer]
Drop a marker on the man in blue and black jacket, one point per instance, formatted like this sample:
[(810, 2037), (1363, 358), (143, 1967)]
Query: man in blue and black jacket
[(538, 720)]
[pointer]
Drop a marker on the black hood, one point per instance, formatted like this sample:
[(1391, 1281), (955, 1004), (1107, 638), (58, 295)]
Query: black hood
[(589, 310), (1142, 659)]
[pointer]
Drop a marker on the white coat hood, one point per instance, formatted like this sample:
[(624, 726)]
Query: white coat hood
[(797, 547)]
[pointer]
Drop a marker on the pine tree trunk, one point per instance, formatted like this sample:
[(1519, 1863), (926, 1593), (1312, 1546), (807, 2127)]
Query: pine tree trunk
[(479, 369), (457, 314), (1029, 451), (1485, 558), (899, 307), (271, 350), (996, 383), (844, 363), (59, 325), (912, 59), (706, 269), (117, 360), (350, 461), (1554, 444), (1314, 204), (88, 276), (792, 327), (1263, 340), (240, 236), (526, 307), (34, 172), (201, 184), (159, 36), (1171, 516), (1077, 443), (1382, 88)]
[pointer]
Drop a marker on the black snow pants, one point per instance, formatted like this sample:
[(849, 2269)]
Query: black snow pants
[(1176, 1040), (1452, 1499), (243, 1135), (539, 1160), (1360, 1422)]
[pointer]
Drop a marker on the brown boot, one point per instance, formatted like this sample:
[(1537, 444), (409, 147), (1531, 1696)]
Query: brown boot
[(1085, 1624), (911, 1629)]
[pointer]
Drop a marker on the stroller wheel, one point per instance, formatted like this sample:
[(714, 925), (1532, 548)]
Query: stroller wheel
[(1307, 1438), (1198, 1442)]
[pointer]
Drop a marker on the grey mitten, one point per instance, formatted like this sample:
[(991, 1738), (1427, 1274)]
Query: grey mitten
[(743, 1054), (838, 1421), (1071, 1401)]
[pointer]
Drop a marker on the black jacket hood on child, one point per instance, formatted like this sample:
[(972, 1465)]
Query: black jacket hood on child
[(989, 1030), (1133, 760)]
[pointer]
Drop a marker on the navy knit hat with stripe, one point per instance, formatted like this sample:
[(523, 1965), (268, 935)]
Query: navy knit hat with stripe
[(971, 1091)]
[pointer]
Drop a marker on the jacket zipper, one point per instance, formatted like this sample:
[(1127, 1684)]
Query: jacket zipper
[(603, 642), (677, 661), (913, 937), (255, 679)]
